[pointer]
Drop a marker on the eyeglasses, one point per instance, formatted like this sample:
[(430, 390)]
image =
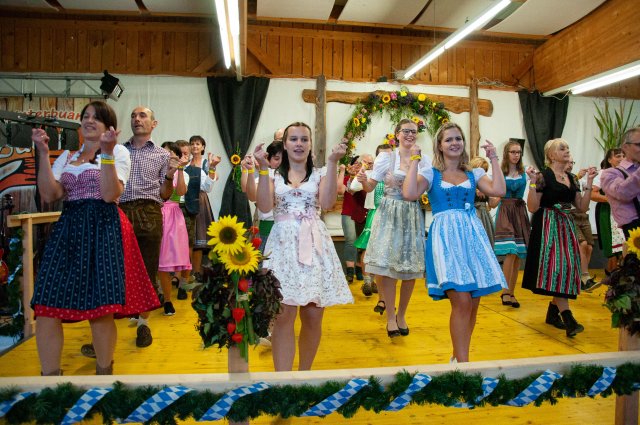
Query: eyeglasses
[(407, 131), (516, 152)]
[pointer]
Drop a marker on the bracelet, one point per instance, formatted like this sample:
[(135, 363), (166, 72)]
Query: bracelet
[(107, 156), (107, 161), (181, 167), (263, 172), (414, 157), (493, 157), (532, 185), (247, 171)]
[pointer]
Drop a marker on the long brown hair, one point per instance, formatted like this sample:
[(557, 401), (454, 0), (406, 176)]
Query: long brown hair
[(438, 156), (505, 158), (284, 165)]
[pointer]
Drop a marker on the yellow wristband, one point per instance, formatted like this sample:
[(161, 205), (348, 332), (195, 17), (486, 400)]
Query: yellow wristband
[(180, 168), (414, 157), (263, 172), (248, 171), (532, 185), (107, 161)]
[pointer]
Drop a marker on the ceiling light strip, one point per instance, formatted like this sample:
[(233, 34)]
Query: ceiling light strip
[(221, 14), (458, 35)]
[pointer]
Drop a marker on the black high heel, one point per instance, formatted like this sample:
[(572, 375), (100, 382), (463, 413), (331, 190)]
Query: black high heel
[(403, 331), (505, 302), (394, 333), (380, 307)]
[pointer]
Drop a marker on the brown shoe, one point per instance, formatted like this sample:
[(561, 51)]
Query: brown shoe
[(144, 338), (104, 370)]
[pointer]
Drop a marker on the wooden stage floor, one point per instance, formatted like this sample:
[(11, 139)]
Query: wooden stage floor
[(354, 337)]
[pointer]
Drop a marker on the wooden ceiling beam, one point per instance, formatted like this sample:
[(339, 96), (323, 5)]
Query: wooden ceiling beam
[(253, 46), (605, 39)]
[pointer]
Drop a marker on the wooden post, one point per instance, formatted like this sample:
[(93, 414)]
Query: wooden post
[(27, 221), (474, 120), (237, 364), (627, 406), (320, 138)]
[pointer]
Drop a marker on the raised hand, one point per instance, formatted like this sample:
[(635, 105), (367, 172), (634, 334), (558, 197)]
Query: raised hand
[(415, 150), (108, 140), (592, 172), (533, 174), (260, 156), (40, 140), (183, 161), (247, 163), (489, 149), (174, 161), (338, 152), (214, 160)]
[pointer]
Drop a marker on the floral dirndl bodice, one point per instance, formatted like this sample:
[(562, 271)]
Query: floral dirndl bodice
[(299, 201)]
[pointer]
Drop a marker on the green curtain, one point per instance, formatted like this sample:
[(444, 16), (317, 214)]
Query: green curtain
[(544, 119), (237, 106)]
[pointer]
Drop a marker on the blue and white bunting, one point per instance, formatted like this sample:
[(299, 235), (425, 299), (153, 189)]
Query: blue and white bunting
[(488, 385), (333, 402), (84, 404), (156, 403), (604, 382), (540, 386), (221, 407), (5, 406), (420, 380)]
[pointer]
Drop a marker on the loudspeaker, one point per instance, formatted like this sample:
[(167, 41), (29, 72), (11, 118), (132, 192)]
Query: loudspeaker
[(54, 138), (19, 135)]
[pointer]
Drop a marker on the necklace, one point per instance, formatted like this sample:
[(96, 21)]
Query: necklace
[(561, 177)]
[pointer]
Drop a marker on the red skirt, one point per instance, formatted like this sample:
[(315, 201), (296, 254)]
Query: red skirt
[(140, 295)]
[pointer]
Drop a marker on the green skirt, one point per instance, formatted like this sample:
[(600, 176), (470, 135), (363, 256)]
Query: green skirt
[(363, 239)]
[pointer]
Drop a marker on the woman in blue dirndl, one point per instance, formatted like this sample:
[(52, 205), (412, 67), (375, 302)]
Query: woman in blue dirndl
[(460, 262)]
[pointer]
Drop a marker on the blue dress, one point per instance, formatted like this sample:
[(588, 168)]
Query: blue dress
[(458, 252)]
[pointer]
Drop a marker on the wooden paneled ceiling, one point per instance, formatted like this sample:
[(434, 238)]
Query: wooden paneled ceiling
[(360, 40)]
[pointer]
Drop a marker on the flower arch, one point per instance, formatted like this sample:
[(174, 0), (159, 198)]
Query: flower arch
[(429, 115)]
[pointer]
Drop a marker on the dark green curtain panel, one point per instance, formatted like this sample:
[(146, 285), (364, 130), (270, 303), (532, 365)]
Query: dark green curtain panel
[(237, 106), (544, 119)]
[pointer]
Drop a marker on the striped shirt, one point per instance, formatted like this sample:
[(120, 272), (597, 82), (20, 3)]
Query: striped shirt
[(149, 165)]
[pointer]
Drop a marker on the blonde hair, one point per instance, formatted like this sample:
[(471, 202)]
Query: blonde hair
[(551, 146), (479, 162), (505, 158), (438, 157)]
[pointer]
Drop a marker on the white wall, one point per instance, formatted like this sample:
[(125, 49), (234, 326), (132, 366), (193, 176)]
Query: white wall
[(183, 108)]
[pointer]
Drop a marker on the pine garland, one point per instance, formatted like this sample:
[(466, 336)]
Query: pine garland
[(15, 326), (51, 404)]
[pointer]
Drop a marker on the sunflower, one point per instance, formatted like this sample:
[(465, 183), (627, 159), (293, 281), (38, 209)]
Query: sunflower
[(363, 120), (415, 120), (424, 199), (386, 98), (356, 122), (243, 261), (633, 243), (422, 97), (390, 136), (235, 159), (226, 235)]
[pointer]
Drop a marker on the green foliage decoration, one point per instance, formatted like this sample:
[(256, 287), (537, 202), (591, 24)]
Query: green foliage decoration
[(612, 123)]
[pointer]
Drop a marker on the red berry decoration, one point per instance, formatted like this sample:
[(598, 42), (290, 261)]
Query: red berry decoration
[(231, 328), (236, 337), (243, 285), (237, 313), (254, 230), (256, 242)]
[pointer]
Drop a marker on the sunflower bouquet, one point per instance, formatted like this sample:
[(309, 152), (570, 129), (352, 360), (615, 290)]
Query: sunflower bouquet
[(237, 301), (623, 295), (236, 169)]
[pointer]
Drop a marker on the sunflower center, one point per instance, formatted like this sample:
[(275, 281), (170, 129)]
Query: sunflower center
[(228, 235), (241, 258), (636, 242)]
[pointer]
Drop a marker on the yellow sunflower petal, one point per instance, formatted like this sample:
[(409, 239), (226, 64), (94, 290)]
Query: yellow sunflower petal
[(633, 243), (244, 261), (227, 235)]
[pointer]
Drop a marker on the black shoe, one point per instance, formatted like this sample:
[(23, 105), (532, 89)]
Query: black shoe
[(553, 316), (572, 327), (380, 307), (168, 309), (590, 285), (394, 333), (515, 303), (182, 294), (403, 331), (87, 350), (507, 302), (349, 274), (366, 289), (359, 273), (143, 338), (175, 281)]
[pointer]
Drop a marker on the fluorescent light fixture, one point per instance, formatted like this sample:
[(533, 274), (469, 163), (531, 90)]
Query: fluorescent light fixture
[(605, 80), (234, 24), (599, 80), (221, 13), (458, 35)]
